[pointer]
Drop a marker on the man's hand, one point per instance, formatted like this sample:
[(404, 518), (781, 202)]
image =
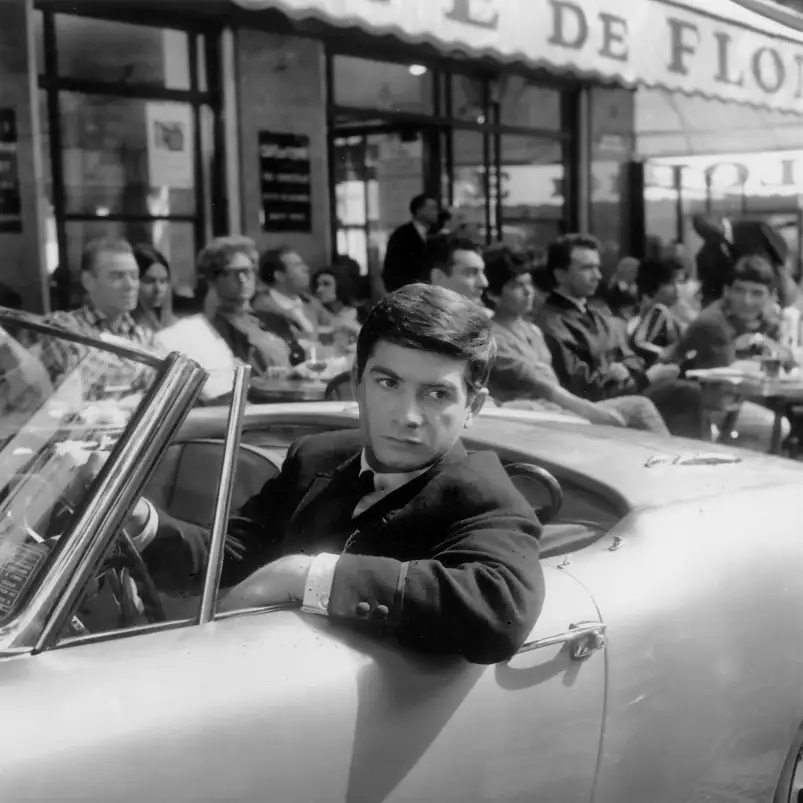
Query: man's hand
[(618, 372), (279, 583), (662, 372)]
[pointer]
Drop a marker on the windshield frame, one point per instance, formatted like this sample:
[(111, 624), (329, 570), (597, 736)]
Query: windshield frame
[(177, 384)]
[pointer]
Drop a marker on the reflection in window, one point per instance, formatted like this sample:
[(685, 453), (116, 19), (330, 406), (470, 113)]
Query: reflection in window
[(532, 192), (528, 105), (120, 53), (382, 85), (127, 156), (469, 99), (469, 186)]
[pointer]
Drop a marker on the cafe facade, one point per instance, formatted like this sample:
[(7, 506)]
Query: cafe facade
[(313, 123)]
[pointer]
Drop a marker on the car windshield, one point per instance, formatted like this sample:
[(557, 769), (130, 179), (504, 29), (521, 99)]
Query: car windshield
[(63, 407)]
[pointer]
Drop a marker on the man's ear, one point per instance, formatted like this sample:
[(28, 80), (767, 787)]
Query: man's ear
[(436, 277), (355, 382), (87, 280), (477, 403)]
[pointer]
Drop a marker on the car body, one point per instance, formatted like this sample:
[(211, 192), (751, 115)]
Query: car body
[(667, 664)]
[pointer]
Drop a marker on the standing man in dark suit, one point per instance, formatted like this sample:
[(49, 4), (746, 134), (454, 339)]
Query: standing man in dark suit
[(395, 527), (407, 257)]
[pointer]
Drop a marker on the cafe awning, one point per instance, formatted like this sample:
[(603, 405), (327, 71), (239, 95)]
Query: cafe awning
[(715, 49)]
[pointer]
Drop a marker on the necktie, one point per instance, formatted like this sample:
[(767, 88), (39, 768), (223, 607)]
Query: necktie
[(365, 486)]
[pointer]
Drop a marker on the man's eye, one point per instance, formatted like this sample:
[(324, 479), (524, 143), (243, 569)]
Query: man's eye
[(440, 394), (387, 383)]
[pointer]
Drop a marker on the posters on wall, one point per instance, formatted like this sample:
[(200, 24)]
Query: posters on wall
[(285, 182), (170, 145), (10, 201)]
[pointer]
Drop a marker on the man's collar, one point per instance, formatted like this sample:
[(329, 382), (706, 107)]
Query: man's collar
[(283, 300), (124, 323), (579, 303), (421, 229), (385, 481)]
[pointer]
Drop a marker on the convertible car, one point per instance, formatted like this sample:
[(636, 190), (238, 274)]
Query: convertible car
[(667, 664)]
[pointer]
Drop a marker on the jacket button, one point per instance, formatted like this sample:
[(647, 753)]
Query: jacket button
[(381, 612), (363, 609)]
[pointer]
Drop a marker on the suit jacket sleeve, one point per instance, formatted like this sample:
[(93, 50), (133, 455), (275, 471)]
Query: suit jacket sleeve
[(577, 376), (478, 595)]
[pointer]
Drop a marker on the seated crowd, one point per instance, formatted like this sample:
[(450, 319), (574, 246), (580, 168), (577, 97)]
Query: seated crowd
[(610, 352)]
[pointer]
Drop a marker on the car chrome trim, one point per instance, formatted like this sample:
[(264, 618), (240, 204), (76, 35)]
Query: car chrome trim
[(220, 522), (110, 635), (116, 345), (159, 417), (583, 638)]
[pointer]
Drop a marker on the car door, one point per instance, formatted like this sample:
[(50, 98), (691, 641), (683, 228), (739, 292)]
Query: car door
[(279, 705)]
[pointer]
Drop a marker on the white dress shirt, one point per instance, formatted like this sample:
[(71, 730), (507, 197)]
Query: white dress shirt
[(322, 570)]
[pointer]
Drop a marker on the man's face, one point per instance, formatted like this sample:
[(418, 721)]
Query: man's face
[(516, 299), (582, 277), (428, 213), (467, 276), (747, 300), (296, 272), (113, 284), (414, 406), (237, 281)]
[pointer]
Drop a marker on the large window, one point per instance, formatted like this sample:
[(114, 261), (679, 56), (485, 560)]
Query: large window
[(129, 120), (493, 148)]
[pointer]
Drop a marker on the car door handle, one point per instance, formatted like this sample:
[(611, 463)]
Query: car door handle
[(584, 639)]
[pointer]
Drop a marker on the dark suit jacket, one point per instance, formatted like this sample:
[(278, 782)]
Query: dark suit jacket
[(583, 346), (407, 258), (447, 563)]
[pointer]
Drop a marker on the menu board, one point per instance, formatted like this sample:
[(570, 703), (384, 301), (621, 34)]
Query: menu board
[(285, 182), (10, 202)]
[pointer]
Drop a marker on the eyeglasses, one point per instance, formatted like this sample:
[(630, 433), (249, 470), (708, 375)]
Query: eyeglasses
[(237, 273)]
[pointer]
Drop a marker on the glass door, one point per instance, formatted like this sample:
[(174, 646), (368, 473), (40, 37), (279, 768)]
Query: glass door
[(378, 171)]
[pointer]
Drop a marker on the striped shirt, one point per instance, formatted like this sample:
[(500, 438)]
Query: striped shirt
[(656, 331)]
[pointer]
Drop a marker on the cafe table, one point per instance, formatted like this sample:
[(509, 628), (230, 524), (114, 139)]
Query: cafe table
[(777, 394), (271, 390)]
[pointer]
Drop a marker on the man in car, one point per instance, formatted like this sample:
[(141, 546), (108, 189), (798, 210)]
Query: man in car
[(395, 527)]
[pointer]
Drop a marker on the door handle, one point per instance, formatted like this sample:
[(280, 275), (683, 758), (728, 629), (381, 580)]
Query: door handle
[(583, 638)]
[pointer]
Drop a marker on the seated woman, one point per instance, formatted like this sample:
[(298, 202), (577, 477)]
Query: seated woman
[(656, 333), (523, 369), (155, 308), (342, 326)]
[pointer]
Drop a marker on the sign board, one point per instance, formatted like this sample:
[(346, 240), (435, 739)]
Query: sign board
[(285, 182)]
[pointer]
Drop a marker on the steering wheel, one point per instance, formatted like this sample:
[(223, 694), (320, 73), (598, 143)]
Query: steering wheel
[(547, 479)]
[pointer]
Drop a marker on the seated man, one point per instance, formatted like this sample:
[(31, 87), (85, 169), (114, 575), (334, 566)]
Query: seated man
[(523, 366), (742, 324), (586, 353), (110, 276), (229, 265), (395, 526)]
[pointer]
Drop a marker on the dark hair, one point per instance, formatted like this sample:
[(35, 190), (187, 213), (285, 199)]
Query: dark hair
[(270, 263), (215, 258), (559, 253), (756, 269), (502, 265), (419, 202), (435, 320), (342, 285), (147, 256), (653, 274), (103, 245), (441, 251)]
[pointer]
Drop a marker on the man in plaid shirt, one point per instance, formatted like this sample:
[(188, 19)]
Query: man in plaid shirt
[(110, 276)]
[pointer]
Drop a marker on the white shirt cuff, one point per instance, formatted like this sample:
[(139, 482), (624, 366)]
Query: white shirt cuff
[(143, 539), (319, 584)]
